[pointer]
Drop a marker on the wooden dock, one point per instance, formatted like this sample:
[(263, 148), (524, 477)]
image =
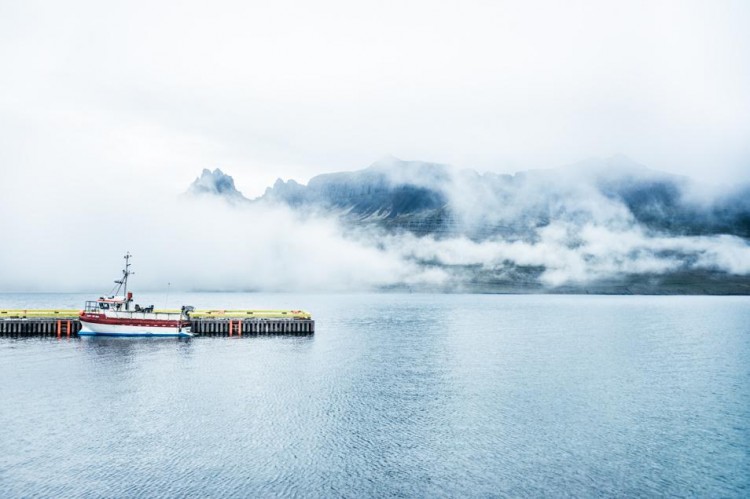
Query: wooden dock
[(65, 323)]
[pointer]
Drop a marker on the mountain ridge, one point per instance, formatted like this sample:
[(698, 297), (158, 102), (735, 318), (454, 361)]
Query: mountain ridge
[(393, 192), (600, 226)]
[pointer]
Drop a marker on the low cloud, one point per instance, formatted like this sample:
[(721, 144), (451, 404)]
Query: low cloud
[(579, 255), (557, 229), (198, 244)]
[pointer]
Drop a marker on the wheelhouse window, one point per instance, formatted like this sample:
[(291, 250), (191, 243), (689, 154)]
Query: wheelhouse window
[(95, 307)]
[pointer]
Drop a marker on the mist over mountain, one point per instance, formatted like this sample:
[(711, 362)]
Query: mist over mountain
[(427, 198), (604, 225)]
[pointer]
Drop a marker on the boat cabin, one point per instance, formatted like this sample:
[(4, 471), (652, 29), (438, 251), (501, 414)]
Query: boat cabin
[(111, 303)]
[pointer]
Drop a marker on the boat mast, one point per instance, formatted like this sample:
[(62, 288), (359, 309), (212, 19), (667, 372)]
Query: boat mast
[(124, 282)]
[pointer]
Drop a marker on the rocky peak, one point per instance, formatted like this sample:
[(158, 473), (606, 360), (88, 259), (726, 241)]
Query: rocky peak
[(215, 183)]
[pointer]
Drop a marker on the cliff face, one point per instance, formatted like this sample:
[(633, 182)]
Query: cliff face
[(426, 198)]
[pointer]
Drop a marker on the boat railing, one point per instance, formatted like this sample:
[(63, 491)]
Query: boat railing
[(92, 307)]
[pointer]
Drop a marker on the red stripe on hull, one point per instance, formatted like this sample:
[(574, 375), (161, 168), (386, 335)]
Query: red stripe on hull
[(98, 319)]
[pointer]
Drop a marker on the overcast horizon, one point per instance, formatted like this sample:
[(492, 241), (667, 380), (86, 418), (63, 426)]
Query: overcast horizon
[(295, 89), (109, 111)]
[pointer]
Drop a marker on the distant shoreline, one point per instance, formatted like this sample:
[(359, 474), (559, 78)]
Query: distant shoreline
[(689, 283)]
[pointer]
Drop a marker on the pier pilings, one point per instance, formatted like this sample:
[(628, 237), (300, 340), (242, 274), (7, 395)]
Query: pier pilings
[(233, 327), (255, 327)]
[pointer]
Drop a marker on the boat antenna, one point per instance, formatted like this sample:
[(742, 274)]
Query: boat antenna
[(167, 298)]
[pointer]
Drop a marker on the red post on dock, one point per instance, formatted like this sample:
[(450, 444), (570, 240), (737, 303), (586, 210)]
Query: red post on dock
[(68, 327), (239, 327)]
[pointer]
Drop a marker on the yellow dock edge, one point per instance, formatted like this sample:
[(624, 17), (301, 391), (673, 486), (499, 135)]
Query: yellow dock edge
[(32, 313), (250, 314), (197, 314)]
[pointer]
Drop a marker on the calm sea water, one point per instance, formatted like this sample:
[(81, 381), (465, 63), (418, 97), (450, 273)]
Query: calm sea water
[(395, 395)]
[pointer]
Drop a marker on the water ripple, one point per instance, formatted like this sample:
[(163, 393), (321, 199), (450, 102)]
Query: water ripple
[(395, 395)]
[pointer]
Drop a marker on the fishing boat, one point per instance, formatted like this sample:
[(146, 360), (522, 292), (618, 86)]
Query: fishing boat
[(112, 315)]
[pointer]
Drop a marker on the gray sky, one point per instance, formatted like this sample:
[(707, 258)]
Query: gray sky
[(108, 110), (96, 96)]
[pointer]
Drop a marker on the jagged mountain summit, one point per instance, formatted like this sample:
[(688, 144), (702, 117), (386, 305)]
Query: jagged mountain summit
[(216, 183)]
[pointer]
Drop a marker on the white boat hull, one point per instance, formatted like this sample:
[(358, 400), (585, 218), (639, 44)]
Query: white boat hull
[(93, 329)]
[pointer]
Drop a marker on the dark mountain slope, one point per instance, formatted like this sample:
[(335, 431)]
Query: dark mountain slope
[(431, 198)]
